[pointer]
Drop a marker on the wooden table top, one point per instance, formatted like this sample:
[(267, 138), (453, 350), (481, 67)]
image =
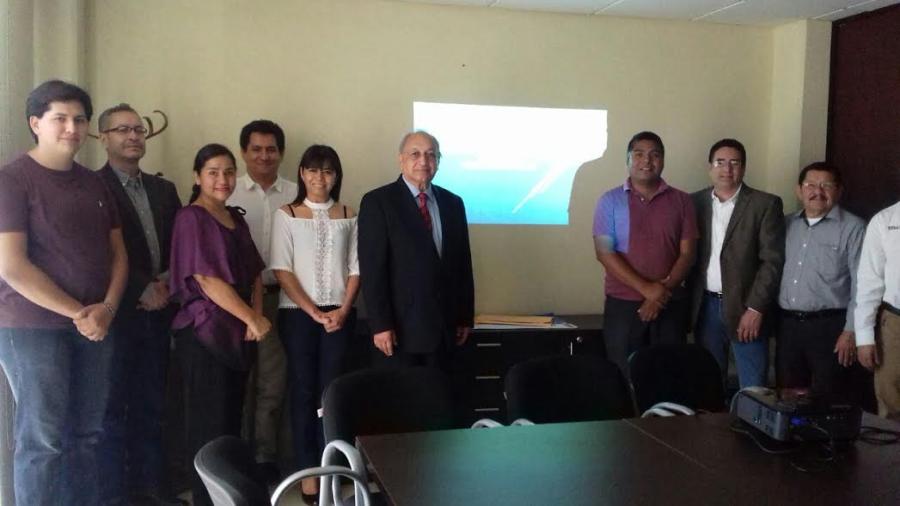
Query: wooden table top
[(672, 461)]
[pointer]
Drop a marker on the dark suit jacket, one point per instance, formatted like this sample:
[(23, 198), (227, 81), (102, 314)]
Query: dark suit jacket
[(406, 285), (752, 254), (164, 203)]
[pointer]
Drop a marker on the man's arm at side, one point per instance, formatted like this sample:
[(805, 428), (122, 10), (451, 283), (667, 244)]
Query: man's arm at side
[(93, 321), (375, 275), (466, 311), (30, 281), (869, 292), (764, 290)]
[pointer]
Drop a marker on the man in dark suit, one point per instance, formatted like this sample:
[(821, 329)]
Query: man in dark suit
[(133, 461), (738, 269), (415, 263)]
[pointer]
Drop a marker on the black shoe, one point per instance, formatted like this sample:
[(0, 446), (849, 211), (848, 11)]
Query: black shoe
[(310, 499), (269, 472)]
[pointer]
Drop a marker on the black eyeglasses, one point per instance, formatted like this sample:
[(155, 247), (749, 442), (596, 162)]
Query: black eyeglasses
[(125, 130)]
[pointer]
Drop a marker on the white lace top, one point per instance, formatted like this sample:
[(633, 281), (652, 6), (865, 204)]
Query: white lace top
[(320, 251)]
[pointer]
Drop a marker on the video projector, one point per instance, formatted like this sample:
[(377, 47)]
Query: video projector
[(797, 419)]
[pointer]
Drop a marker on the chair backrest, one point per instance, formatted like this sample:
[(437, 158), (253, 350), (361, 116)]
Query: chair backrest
[(686, 374), (387, 401), (228, 469), (567, 389)]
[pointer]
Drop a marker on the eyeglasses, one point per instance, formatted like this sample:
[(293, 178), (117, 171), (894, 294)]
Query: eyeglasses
[(327, 172), (825, 185), (416, 154), (721, 162), (125, 130)]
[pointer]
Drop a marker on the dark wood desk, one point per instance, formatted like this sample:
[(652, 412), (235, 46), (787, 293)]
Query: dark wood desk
[(479, 367), (685, 460)]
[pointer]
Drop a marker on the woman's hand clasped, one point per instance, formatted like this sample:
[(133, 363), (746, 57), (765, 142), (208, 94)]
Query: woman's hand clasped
[(258, 328)]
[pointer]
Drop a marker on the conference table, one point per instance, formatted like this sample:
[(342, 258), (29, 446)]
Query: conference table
[(666, 461)]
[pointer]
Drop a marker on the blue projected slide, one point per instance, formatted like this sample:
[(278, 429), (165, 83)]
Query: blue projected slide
[(512, 165)]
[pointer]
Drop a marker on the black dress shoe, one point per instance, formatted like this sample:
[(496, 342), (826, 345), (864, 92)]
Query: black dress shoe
[(310, 499)]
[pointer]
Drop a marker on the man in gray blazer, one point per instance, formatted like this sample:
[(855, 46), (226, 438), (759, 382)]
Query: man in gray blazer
[(739, 263)]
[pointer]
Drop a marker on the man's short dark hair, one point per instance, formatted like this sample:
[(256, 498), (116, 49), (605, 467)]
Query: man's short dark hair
[(262, 126), (103, 119), (646, 136), (729, 143), (55, 90), (823, 167)]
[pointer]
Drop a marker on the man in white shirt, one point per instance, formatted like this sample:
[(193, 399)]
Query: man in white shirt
[(260, 192), (877, 315), (739, 263)]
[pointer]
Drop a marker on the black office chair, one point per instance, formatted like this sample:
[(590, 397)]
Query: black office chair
[(387, 401), (685, 374), (228, 469), (230, 473), (567, 389)]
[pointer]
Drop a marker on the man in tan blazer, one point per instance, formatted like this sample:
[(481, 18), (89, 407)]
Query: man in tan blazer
[(739, 263)]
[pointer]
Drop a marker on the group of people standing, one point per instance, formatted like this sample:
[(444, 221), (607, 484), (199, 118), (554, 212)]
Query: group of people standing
[(257, 276), (253, 282), (726, 262)]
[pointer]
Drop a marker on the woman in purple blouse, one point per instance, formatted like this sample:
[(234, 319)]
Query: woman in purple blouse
[(214, 274)]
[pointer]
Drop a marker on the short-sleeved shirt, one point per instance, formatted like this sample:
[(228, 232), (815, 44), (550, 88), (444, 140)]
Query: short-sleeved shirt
[(67, 216), (201, 245), (646, 232)]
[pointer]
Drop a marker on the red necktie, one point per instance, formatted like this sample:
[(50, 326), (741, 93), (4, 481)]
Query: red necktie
[(423, 209)]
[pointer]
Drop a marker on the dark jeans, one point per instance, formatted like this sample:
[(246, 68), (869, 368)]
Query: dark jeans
[(314, 358), (60, 381), (132, 448), (213, 400), (624, 333), (751, 359), (805, 358)]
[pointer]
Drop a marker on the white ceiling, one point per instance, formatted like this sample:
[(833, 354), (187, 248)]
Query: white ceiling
[(741, 12)]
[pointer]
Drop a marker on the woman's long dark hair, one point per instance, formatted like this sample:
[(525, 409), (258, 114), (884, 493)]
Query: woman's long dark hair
[(319, 156), (205, 154)]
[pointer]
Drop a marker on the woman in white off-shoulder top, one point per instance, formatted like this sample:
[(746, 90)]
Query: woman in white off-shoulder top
[(313, 255)]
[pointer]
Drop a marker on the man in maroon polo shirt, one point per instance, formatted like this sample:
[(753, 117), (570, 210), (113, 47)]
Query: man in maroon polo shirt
[(645, 235)]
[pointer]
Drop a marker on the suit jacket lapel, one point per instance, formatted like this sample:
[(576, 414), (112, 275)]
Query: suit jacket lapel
[(126, 208), (410, 213), (154, 197), (740, 207)]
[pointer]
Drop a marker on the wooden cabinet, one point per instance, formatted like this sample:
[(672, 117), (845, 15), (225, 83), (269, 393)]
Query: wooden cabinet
[(479, 367)]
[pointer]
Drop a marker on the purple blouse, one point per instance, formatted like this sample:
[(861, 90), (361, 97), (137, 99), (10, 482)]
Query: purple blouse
[(202, 245)]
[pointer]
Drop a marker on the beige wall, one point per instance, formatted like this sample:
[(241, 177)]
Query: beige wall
[(346, 72)]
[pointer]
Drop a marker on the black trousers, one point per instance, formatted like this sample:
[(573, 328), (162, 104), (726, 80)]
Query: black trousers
[(213, 400), (624, 333), (805, 358)]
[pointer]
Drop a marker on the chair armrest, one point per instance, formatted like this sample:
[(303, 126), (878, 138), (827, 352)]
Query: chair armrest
[(356, 465), (325, 471), (486, 423)]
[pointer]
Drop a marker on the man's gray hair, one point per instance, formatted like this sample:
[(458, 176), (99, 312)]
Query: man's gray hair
[(103, 120), (434, 142)]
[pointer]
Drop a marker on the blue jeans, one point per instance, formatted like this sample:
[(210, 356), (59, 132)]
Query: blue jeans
[(751, 359), (314, 358), (60, 381), (132, 460)]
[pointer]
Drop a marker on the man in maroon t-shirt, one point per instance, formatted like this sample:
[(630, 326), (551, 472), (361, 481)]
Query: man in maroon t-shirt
[(645, 235), (63, 268)]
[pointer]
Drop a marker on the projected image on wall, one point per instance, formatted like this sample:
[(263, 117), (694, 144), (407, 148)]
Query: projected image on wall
[(512, 165)]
